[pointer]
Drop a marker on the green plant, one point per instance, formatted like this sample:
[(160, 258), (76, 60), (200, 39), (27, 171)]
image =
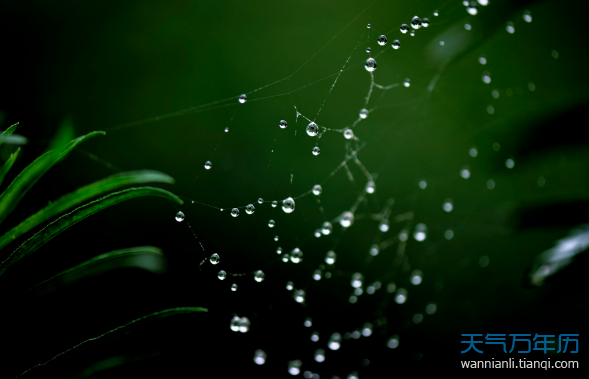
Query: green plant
[(72, 208)]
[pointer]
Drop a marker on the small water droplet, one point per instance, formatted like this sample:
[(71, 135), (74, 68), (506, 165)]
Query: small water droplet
[(416, 277), (425, 22), (509, 163), (317, 274), (527, 16), (374, 250), (319, 355), (396, 44), (208, 165), (271, 223), (234, 324), (357, 280), (234, 287), (368, 49), (285, 258), (348, 133), (467, 26), (276, 238), (431, 308), (244, 325), (294, 367), (422, 184), (449, 234), (393, 342), (401, 296), (222, 275), (363, 113), (330, 257), (510, 28), (404, 28), (370, 187), (335, 341), (486, 77), (227, 130), (448, 205), (299, 296), (260, 200), (296, 255), (416, 22), (346, 219), (250, 209), (382, 40), (436, 13), (289, 286), (407, 83), (490, 184), (316, 151), (368, 26), (317, 233), (242, 98), (179, 216), (472, 8), (274, 204), (260, 357), (235, 212), (283, 124), (482, 60), (326, 228), (420, 232), (465, 172)]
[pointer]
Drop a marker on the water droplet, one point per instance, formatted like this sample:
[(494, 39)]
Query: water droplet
[(510, 28), (370, 64), (271, 223), (308, 322), (490, 184), (242, 98), (382, 40), (326, 228), (244, 325), (260, 201), (486, 77), (483, 2), (289, 286), (294, 367), (370, 187), (495, 94), (416, 277), (431, 308), (317, 190), (391, 287), (368, 49), (234, 287), (226, 130), (425, 22), (317, 233), (368, 26), (208, 165), (283, 124), (357, 280), (335, 341), (393, 342), (367, 329), (288, 205), (278, 250), (482, 60), (315, 336), (527, 16), (509, 163), (316, 151), (370, 290), (330, 257), (420, 232), (259, 276), (407, 83), (222, 275), (473, 152), (214, 258), (235, 212), (490, 109), (346, 219), (374, 250), (448, 205), (234, 324), (296, 255), (467, 26), (299, 296), (404, 28), (436, 13), (449, 234), (348, 134), (363, 113), (416, 22), (401, 296), (403, 235), (422, 184), (465, 172), (383, 226), (276, 238), (472, 8), (396, 44), (179, 216), (274, 204), (317, 274), (250, 209), (312, 129), (319, 355), (260, 357), (285, 258), (531, 87)]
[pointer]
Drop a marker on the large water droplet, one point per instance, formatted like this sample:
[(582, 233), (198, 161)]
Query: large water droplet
[(250, 209), (283, 124), (404, 28), (259, 276), (370, 64), (330, 257), (179, 216), (296, 255), (222, 275), (382, 40), (348, 133), (214, 258), (312, 129), (235, 212), (288, 205), (416, 22), (346, 219), (317, 190)]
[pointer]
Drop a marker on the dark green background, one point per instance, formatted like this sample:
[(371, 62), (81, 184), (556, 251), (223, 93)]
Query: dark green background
[(109, 63)]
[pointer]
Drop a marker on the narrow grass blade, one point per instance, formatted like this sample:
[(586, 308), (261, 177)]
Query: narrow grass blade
[(77, 215), (80, 196), (8, 165), (144, 257), (33, 172), (8, 132), (124, 329)]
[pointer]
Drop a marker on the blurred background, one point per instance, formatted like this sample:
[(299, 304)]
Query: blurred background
[(510, 154)]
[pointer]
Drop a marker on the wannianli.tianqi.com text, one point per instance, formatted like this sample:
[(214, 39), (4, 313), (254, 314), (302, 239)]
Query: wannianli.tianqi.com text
[(520, 363)]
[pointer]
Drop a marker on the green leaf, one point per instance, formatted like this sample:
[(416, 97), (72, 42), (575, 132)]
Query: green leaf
[(8, 132), (77, 215), (124, 329), (81, 195), (145, 257), (33, 172), (8, 164)]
